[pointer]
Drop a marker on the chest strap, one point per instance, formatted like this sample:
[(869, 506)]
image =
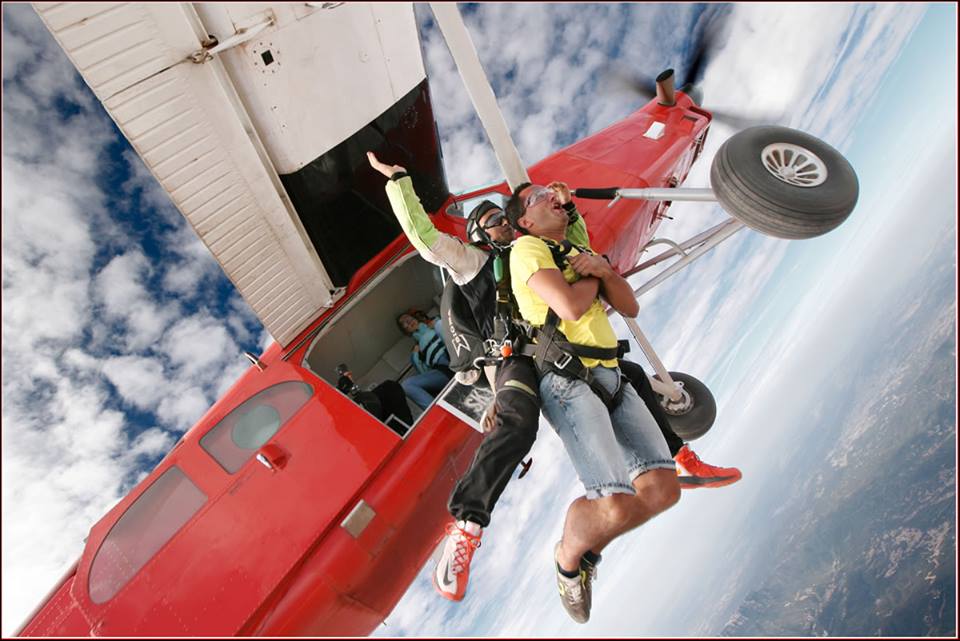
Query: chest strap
[(505, 305)]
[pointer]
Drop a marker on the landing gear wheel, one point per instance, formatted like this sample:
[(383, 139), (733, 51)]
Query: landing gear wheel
[(783, 182), (693, 414)]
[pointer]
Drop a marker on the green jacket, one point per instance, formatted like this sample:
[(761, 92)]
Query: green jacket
[(462, 260)]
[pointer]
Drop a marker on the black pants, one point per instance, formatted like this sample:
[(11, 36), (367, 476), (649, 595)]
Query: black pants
[(640, 382), (515, 430), (393, 400)]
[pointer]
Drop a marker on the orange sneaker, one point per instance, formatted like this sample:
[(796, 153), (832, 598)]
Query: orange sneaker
[(453, 569), (703, 474)]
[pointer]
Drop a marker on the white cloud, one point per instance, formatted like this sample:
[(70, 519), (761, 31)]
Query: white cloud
[(150, 443), (198, 344), (241, 320), (119, 283), (193, 267), (182, 409), (266, 340), (83, 321), (139, 381), (60, 472), (121, 287)]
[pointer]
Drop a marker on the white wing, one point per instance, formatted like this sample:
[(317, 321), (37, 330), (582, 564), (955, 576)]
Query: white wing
[(287, 84)]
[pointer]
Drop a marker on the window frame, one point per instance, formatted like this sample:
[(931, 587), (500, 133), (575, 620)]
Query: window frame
[(252, 452)]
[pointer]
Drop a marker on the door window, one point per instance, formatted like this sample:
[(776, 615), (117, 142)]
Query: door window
[(240, 433)]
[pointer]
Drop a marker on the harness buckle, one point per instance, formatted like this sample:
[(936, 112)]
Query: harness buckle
[(563, 360)]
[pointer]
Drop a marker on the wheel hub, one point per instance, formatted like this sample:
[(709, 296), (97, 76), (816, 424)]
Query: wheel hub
[(680, 406), (793, 164)]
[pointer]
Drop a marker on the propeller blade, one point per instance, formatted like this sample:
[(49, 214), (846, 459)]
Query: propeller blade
[(710, 38), (739, 121), (480, 92), (619, 78), (697, 64)]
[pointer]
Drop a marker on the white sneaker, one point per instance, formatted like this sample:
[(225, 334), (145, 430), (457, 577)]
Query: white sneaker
[(453, 569)]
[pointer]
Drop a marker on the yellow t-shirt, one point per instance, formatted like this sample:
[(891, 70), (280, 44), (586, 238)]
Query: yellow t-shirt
[(528, 256)]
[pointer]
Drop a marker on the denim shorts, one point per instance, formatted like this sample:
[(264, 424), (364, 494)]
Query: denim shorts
[(608, 449)]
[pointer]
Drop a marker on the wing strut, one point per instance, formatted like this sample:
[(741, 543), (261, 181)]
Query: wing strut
[(480, 91)]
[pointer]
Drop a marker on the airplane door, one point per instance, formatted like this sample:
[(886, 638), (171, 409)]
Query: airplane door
[(293, 456)]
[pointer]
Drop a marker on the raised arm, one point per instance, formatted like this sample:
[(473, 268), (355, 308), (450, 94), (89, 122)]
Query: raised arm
[(461, 260), (576, 228)]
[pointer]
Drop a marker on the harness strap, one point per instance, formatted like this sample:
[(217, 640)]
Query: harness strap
[(561, 250), (583, 351), (548, 356), (504, 308)]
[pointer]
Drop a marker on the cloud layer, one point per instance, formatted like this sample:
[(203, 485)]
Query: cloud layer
[(119, 330)]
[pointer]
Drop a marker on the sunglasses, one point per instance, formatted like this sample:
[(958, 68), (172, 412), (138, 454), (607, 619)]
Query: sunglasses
[(537, 195), (495, 220)]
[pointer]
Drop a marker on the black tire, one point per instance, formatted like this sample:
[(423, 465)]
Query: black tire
[(749, 192), (697, 419)]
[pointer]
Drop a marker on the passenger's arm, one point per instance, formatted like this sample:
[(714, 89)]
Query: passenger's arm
[(415, 359), (613, 287), (569, 301), (576, 226), (463, 261)]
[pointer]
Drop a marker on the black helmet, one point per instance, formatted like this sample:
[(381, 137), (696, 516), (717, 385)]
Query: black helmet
[(476, 233)]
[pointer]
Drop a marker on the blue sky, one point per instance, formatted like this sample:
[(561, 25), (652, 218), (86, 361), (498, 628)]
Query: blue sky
[(119, 330)]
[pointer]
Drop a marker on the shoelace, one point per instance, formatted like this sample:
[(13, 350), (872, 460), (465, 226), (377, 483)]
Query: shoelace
[(690, 457), (703, 467), (574, 591), (693, 464), (466, 543)]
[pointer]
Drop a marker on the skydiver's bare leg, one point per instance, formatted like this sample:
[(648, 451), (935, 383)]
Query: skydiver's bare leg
[(591, 524)]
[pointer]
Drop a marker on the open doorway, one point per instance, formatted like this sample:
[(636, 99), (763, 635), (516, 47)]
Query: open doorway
[(365, 336)]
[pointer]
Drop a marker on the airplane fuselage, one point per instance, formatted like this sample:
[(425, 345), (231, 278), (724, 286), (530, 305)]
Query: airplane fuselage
[(304, 514)]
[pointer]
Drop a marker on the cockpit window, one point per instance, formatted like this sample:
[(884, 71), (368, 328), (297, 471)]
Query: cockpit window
[(237, 436), (144, 528)]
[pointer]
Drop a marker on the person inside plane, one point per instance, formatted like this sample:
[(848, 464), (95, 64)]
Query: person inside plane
[(516, 410), (387, 401), (429, 357)]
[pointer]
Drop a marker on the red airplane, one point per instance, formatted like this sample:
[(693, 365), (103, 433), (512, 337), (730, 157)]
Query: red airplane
[(288, 509)]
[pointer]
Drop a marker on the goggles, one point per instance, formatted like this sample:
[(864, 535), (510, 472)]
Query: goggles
[(537, 195), (495, 220)]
